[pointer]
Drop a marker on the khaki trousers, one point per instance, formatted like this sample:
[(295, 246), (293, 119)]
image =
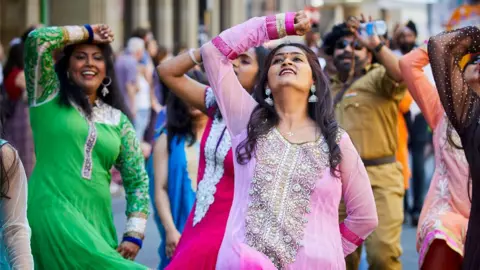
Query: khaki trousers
[(383, 245)]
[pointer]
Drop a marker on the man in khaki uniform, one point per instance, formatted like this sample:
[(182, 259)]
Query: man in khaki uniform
[(367, 100)]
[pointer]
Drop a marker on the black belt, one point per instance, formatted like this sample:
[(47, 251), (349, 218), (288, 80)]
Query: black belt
[(379, 161)]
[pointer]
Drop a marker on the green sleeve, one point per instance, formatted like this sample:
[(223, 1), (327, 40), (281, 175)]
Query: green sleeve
[(131, 165), (41, 79)]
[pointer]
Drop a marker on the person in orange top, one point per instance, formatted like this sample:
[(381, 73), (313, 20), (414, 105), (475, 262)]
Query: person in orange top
[(402, 151)]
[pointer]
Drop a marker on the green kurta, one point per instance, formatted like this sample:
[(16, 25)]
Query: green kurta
[(69, 201)]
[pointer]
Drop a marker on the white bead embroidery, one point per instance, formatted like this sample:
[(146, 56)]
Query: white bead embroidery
[(213, 174), (136, 224), (101, 113)]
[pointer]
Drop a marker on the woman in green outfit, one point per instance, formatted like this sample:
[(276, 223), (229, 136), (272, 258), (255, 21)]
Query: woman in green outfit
[(80, 132)]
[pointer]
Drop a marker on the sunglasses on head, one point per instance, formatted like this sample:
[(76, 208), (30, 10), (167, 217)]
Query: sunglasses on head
[(343, 43)]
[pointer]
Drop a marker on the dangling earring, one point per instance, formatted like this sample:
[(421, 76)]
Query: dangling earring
[(105, 85), (313, 98), (268, 100)]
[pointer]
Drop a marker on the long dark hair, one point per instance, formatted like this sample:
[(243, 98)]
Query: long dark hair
[(322, 112), (15, 54), (14, 59), (72, 93), (180, 123), (4, 173)]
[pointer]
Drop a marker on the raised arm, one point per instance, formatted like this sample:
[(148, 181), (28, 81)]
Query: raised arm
[(41, 79), (131, 165), (357, 193), (16, 231), (172, 73), (234, 102), (383, 54), (423, 92), (445, 52)]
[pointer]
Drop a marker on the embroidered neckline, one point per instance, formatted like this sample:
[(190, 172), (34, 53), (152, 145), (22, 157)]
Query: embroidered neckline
[(206, 189)]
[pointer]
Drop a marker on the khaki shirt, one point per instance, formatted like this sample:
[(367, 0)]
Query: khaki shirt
[(368, 112)]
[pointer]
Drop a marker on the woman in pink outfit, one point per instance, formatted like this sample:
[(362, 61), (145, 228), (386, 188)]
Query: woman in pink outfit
[(443, 221), (203, 232), (292, 162)]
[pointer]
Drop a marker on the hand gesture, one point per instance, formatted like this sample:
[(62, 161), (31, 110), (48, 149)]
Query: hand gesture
[(128, 250), (171, 242), (102, 33), (368, 41), (301, 23)]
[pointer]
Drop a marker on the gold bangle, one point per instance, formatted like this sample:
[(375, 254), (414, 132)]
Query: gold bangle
[(282, 32)]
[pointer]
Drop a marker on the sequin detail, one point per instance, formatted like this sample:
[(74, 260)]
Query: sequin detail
[(282, 31), (210, 100), (284, 178), (213, 174), (87, 151), (445, 52), (101, 113), (136, 224)]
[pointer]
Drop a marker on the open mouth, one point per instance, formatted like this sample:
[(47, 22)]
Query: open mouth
[(88, 74), (286, 71)]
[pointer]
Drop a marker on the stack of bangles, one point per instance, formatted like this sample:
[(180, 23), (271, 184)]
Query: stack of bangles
[(281, 25), (135, 228)]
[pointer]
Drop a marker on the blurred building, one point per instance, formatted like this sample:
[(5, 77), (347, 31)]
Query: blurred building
[(188, 23)]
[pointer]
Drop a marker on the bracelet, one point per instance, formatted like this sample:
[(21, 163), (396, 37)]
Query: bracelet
[(379, 47), (190, 52), (290, 23), (134, 240), (90, 33)]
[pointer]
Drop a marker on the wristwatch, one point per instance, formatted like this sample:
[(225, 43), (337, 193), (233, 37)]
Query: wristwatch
[(378, 47)]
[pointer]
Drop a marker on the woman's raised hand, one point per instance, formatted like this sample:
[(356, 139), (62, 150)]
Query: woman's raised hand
[(302, 23), (102, 33)]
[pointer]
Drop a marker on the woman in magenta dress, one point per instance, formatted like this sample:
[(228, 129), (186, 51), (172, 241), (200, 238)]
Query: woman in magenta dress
[(293, 164), (444, 217), (206, 223)]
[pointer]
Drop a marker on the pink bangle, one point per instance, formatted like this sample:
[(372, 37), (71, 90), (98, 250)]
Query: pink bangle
[(290, 23), (272, 31)]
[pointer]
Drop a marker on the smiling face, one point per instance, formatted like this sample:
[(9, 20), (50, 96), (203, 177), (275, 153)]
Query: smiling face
[(87, 67), (246, 68), (290, 68)]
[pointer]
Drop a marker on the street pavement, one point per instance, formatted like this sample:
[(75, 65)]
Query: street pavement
[(149, 255)]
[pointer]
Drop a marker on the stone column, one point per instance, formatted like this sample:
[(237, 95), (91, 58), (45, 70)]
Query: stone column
[(32, 11), (189, 22), (140, 13), (213, 7), (112, 14), (165, 22), (69, 12), (237, 12)]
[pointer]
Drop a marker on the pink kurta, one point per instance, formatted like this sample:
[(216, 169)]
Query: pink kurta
[(205, 226), (285, 208), (447, 206)]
